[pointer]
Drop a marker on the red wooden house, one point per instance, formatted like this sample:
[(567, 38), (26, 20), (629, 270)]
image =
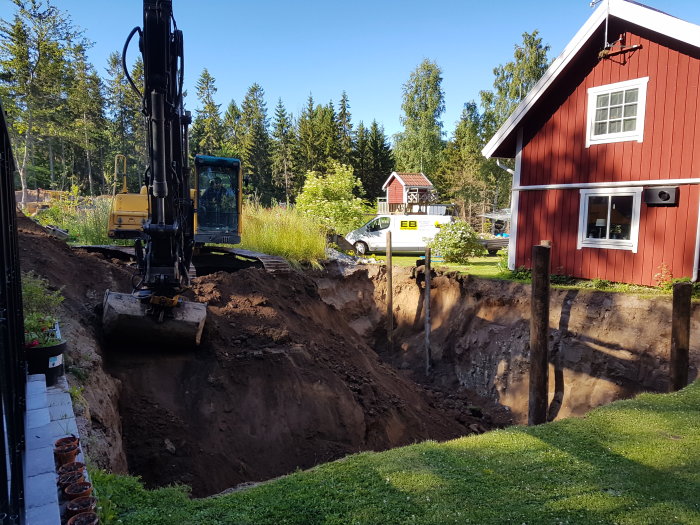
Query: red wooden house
[(405, 189), (607, 151)]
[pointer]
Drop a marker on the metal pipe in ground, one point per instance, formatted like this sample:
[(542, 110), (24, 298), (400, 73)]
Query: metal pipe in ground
[(428, 353), (389, 296), (539, 335), (680, 336)]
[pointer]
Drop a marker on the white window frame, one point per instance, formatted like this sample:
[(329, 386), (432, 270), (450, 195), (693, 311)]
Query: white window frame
[(610, 244), (621, 136)]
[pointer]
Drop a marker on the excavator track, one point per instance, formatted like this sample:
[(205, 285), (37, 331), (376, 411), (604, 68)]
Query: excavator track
[(208, 259)]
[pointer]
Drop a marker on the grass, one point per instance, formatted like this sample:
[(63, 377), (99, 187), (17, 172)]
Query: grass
[(85, 218), (633, 462), (283, 231)]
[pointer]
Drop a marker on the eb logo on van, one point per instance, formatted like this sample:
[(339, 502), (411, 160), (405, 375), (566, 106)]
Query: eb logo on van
[(409, 225)]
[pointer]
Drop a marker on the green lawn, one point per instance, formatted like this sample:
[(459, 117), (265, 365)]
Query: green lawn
[(633, 462), (485, 266)]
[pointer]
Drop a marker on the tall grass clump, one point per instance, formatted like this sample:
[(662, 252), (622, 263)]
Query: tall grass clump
[(283, 231), (85, 218)]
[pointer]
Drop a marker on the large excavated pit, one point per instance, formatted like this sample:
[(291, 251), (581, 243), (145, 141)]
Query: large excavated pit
[(294, 371)]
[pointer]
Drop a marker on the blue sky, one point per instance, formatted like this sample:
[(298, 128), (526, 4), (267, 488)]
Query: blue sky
[(367, 48)]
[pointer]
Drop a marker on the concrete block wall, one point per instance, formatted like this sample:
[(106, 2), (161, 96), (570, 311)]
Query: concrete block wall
[(49, 417)]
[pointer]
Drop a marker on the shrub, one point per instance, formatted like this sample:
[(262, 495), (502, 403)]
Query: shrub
[(40, 305), (331, 201), (456, 242)]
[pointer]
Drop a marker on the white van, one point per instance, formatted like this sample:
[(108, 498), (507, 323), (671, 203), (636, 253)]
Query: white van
[(409, 233)]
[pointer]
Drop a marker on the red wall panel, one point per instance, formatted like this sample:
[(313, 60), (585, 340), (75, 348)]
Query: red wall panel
[(666, 237), (395, 192), (555, 153)]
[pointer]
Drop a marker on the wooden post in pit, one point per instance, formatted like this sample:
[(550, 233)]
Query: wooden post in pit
[(428, 354), (539, 335), (389, 296), (680, 336)]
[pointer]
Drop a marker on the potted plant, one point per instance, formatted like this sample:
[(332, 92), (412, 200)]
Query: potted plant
[(43, 343)]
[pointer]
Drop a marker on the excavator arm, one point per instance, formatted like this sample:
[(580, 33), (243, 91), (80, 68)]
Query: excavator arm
[(155, 310)]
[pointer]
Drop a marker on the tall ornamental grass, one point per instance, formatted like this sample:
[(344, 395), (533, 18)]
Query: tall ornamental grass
[(283, 231), (85, 218)]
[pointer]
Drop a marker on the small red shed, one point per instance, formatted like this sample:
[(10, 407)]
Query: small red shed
[(607, 151), (407, 188)]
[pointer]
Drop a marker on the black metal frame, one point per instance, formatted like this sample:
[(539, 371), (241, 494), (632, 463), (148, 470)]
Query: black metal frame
[(12, 364)]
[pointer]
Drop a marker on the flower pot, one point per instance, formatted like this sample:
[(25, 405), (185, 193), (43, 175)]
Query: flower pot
[(73, 466), (84, 518), (69, 478), (65, 453), (68, 440), (78, 490), (47, 360), (78, 505)]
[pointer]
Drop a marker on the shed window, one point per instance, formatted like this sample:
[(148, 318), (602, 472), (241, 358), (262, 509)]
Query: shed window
[(609, 218), (616, 112)]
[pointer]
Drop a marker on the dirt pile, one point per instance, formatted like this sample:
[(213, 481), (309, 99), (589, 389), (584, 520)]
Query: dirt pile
[(280, 382)]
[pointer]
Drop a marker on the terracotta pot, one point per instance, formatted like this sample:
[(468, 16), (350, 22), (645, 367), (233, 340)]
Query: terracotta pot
[(69, 478), (78, 490), (78, 505), (68, 440), (65, 453), (84, 518), (73, 466)]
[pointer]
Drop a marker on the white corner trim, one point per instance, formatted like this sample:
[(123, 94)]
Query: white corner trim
[(636, 14), (637, 134), (514, 202), (610, 244)]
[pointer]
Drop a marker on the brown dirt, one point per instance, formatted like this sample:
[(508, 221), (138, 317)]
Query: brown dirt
[(280, 382)]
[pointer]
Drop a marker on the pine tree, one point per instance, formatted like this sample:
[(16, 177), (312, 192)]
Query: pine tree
[(360, 155), (207, 129), (326, 123), (86, 104), (419, 146), (33, 56), (256, 143), (126, 127), (232, 146), (308, 151), (461, 174), (345, 129), (283, 154), (381, 161)]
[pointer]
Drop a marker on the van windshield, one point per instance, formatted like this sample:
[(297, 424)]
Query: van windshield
[(380, 223)]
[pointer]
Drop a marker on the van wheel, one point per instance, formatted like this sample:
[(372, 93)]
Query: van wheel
[(361, 248)]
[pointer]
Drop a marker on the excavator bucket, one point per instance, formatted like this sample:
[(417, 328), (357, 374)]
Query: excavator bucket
[(125, 317)]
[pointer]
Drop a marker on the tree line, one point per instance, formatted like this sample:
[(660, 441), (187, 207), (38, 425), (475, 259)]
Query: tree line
[(68, 123)]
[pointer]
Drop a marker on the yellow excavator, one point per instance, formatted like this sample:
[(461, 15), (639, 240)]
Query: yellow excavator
[(170, 219)]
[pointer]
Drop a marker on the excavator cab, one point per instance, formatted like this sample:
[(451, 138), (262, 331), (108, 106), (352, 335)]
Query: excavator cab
[(218, 187)]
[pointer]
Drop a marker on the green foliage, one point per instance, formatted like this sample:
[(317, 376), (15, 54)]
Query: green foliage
[(38, 297), (207, 129), (255, 145), (283, 231), (330, 199), (40, 306), (456, 242), (85, 219), (418, 147), (631, 462)]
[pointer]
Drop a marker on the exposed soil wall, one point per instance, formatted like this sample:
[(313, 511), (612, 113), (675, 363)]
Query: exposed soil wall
[(293, 370), (603, 346)]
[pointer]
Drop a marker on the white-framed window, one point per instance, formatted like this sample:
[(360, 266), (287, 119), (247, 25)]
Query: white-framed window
[(609, 218), (616, 112)]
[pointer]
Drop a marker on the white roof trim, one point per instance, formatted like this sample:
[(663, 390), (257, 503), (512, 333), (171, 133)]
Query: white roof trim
[(635, 13), (393, 174)]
